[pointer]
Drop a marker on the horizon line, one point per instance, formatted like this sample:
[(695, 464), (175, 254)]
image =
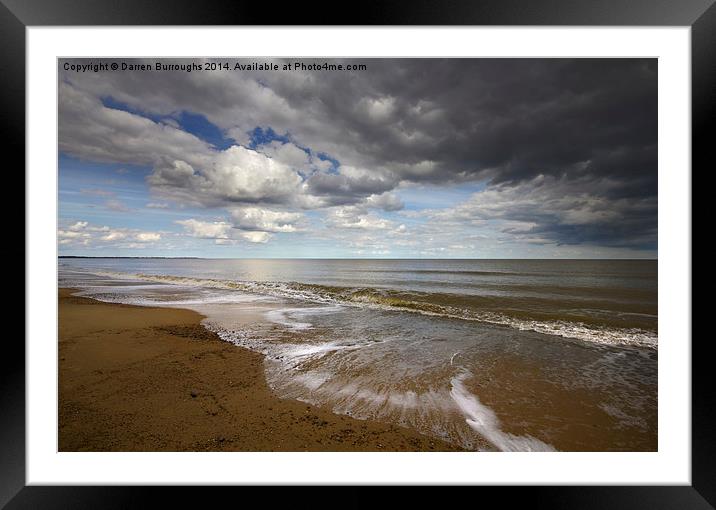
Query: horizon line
[(343, 258)]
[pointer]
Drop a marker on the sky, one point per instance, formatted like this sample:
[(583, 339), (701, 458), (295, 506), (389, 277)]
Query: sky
[(402, 158)]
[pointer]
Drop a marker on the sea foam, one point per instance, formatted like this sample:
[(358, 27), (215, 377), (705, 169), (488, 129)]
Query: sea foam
[(419, 303), (484, 421)]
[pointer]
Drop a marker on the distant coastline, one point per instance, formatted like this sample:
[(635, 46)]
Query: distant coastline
[(117, 257), (326, 258)]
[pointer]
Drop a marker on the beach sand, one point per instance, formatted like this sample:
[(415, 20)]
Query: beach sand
[(153, 379)]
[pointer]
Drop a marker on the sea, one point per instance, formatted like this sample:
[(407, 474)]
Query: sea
[(490, 355)]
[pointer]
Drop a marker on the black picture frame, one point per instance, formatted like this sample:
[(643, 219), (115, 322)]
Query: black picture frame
[(700, 15)]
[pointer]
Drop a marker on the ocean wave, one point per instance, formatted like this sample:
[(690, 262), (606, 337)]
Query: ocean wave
[(453, 272), (484, 421), (430, 304)]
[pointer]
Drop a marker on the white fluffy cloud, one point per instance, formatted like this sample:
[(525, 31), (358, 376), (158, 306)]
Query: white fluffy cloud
[(113, 236), (78, 226), (244, 174), (288, 154), (221, 232), (354, 218), (206, 229), (256, 237), (81, 233), (66, 237), (235, 175), (147, 237), (385, 201), (257, 219)]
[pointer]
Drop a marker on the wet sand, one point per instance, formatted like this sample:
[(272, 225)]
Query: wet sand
[(153, 379)]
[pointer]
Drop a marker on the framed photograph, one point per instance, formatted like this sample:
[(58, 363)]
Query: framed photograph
[(434, 247)]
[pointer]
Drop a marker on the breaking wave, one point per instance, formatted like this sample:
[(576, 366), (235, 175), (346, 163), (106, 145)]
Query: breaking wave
[(491, 310)]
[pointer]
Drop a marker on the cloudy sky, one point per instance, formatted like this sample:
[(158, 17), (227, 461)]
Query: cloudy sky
[(465, 158)]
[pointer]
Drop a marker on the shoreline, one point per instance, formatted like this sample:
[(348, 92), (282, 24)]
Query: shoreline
[(135, 378)]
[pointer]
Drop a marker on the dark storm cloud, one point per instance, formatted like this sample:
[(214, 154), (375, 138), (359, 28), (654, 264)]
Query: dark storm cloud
[(509, 119), (588, 125), (344, 189)]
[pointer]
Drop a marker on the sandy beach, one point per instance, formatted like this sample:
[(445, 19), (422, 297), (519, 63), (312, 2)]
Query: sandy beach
[(153, 379)]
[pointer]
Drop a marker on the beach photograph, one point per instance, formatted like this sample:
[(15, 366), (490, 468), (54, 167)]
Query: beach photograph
[(357, 255)]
